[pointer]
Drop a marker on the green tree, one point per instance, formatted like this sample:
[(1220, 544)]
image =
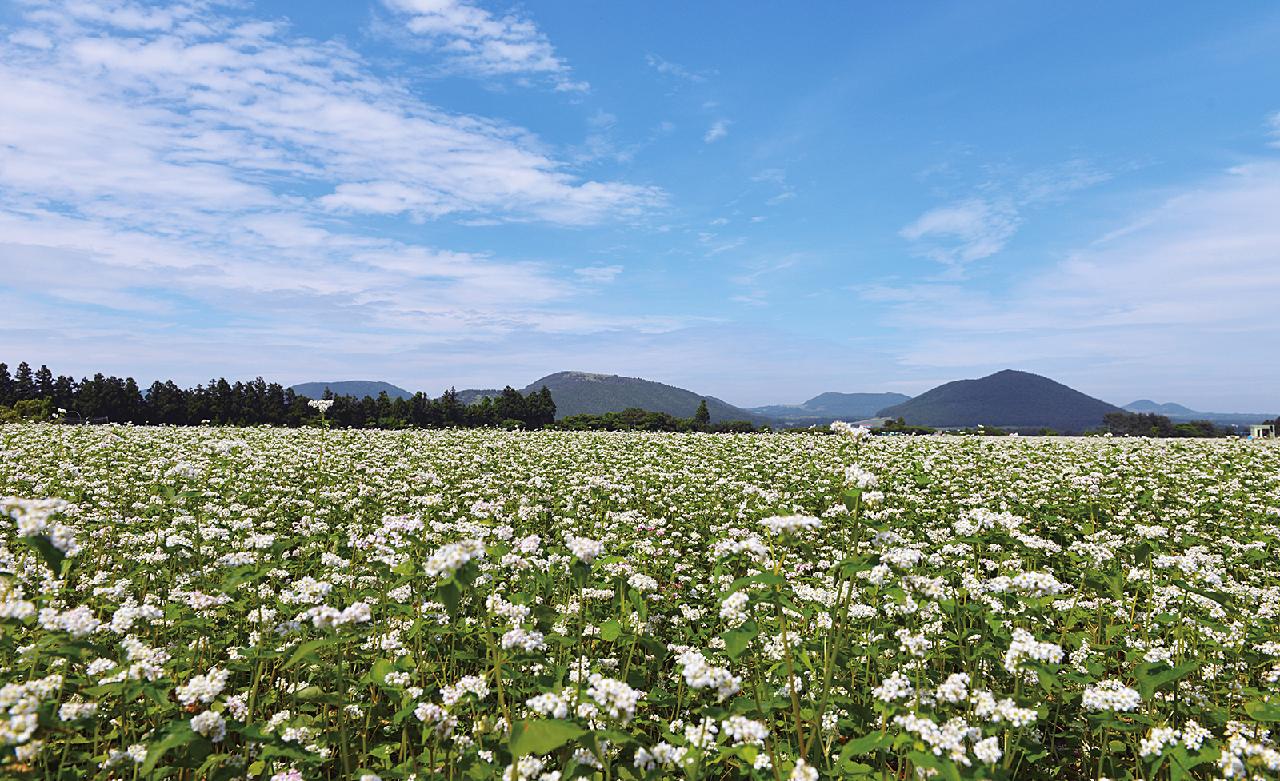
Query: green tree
[(24, 384), (6, 385), (703, 416), (44, 382)]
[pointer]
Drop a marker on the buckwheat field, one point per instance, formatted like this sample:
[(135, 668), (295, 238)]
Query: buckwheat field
[(192, 603)]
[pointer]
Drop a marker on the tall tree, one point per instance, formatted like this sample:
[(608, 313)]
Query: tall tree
[(24, 384), (44, 382), (546, 407), (703, 416)]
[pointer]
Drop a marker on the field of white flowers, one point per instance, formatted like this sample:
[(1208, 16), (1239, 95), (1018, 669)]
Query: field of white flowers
[(308, 604)]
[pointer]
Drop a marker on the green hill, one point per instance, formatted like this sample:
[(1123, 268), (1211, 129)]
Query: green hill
[(357, 388), (1007, 399), (1168, 409), (826, 407), (578, 393)]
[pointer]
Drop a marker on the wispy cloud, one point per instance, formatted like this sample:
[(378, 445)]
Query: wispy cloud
[(187, 171), (979, 226), (599, 274), (776, 177), (1186, 289), (963, 232), (473, 40), (668, 68), (718, 130)]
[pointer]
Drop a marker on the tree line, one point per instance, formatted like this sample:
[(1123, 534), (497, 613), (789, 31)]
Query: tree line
[(636, 419), (39, 395), (1149, 424)]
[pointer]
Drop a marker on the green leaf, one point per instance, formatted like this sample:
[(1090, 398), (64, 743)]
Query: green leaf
[(449, 595), (1149, 682), (863, 745), (1262, 711), (178, 734), (540, 736), (53, 557), (305, 651), (764, 578), (851, 498), (378, 673), (610, 630), (737, 640), (943, 766)]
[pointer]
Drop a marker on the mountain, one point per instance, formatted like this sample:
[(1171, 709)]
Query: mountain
[(357, 388), (472, 395), (1007, 399), (1169, 409), (1180, 414), (826, 407), (578, 393)]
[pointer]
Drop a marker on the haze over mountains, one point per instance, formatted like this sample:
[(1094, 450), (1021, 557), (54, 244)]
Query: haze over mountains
[(826, 407), (1007, 399), (357, 388), (1181, 414)]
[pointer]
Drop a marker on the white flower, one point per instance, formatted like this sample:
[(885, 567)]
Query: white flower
[(699, 674), (803, 771), (734, 608), (321, 404), (742, 730), (896, 687), (448, 559), (1157, 738), (988, 750), (1025, 646), (32, 517), (849, 430), (203, 688), (584, 548), (1111, 695), (210, 724), (856, 475), (790, 524)]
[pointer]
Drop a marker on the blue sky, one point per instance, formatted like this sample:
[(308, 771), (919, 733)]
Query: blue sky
[(753, 200)]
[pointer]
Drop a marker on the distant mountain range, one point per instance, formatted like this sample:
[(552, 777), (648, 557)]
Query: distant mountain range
[(357, 388), (1008, 399), (826, 407), (578, 393), (1178, 413)]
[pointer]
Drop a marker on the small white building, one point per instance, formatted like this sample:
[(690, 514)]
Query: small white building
[(1262, 431)]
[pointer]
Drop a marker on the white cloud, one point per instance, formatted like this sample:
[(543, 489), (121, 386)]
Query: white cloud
[(214, 113), (963, 232), (1180, 300), (668, 68), (180, 183), (473, 40), (599, 274), (979, 226), (718, 130)]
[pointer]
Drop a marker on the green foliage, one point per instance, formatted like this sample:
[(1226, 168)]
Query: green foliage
[(702, 416), (102, 399), (1149, 424)]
